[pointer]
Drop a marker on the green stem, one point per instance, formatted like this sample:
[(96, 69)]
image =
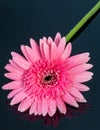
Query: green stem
[(77, 27)]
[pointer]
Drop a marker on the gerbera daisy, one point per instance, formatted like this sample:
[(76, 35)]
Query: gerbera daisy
[(46, 77)]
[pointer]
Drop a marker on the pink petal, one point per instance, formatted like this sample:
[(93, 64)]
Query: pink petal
[(16, 66), (61, 106), (61, 46), (10, 68), (33, 108), (41, 47), (46, 49), (73, 91), (80, 68), (51, 107), (12, 85), (45, 39), (69, 100), (67, 51), (20, 61), (83, 100), (39, 109), (57, 38), (14, 92), (83, 77), (44, 106), (25, 104), (35, 47), (49, 41), (78, 60), (13, 76), (24, 51), (18, 98), (33, 56), (81, 87), (53, 51)]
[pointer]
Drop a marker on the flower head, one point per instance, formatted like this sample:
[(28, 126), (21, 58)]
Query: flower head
[(46, 77)]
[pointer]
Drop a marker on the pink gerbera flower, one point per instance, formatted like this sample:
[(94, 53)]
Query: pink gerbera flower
[(46, 77)]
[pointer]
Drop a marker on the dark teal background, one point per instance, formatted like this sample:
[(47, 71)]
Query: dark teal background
[(23, 19)]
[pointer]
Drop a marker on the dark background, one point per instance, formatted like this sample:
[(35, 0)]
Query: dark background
[(23, 19)]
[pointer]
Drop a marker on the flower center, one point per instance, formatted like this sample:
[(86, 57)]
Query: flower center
[(42, 73), (49, 78)]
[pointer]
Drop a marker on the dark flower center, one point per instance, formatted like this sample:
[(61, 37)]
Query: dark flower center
[(48, 78)]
